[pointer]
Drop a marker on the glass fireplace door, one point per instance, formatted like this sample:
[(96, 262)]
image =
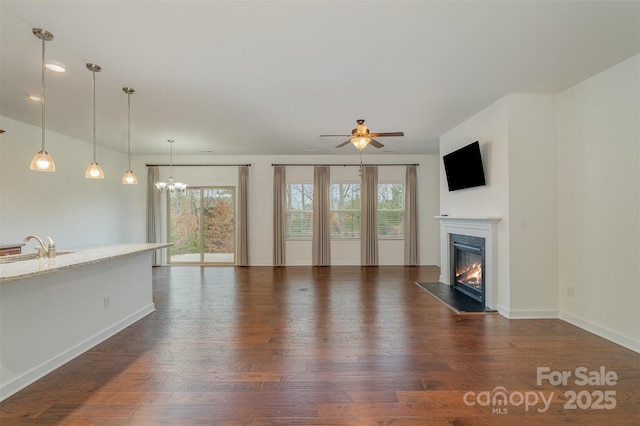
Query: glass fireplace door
[(468, 263)]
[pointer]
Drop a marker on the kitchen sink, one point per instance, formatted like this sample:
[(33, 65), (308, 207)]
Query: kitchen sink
[(26, 256)]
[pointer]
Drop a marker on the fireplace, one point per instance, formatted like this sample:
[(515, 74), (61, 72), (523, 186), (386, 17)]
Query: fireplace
[(468, 265), (483, 228)]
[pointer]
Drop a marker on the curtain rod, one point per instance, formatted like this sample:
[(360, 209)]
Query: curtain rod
[(196, 165), (346, 165)]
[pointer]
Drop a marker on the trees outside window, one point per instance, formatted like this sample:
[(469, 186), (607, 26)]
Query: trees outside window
[(345, 211), (202, 225), (299, 211), (390, 211)]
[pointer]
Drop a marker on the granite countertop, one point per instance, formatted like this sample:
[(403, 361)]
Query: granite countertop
[(13, 245), (72, 258)]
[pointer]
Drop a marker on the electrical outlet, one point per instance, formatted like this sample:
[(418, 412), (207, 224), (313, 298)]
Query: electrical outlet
[(107, 302), (570, 291)]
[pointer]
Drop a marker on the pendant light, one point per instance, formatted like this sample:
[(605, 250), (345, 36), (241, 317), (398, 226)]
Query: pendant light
[(129, 177), (94, 171), (171, 185), (42, 161)]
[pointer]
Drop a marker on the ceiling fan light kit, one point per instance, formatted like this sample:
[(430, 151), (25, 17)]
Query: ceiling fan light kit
[(360, 137), (360, 142)]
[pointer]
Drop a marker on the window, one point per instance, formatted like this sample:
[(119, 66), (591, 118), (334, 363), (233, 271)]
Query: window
[(345, 210), (299, 211), (202, 225), (390, 210)]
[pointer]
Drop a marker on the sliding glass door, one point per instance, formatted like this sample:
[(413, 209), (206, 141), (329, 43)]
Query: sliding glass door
[(202, 226)]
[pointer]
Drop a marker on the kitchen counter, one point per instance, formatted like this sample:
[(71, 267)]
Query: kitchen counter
[(72, 258), (52, 310)]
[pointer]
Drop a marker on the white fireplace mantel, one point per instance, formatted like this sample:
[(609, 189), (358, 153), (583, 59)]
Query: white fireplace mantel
[(475, 226)]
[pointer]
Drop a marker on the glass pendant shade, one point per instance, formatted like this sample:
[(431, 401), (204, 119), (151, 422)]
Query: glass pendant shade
[(360, 143), (94, 171), (129, 178), (42, 162)]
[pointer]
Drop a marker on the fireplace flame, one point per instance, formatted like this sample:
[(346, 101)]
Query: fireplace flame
[(471, 276)]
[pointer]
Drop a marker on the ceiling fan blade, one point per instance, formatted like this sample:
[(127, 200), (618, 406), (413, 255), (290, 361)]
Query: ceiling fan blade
[(348, 141), (322, 136), (375, 143), (377, 135)]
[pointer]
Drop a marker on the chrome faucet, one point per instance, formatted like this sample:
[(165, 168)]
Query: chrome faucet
[(50, 251)]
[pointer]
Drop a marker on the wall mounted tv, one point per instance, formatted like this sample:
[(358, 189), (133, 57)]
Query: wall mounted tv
[(463, 167)]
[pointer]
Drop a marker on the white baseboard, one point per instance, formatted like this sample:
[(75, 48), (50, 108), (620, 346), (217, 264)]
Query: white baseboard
[(605, 333), (527, 314), (25, 379), (502, 311)]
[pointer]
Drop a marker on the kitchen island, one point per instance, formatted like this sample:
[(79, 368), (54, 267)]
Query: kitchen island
[(52, 310)]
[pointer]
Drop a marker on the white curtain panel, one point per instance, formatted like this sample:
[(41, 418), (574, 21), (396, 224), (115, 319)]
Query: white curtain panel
[(243, 217), (153, 212), (411, 217), (279, 205), (321, 240), (369, 216)]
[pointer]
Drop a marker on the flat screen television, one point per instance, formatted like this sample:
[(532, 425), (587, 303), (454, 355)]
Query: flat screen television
[(463, 167)]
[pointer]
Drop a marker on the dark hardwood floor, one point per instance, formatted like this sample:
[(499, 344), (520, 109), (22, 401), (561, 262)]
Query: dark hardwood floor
[(327, 346)]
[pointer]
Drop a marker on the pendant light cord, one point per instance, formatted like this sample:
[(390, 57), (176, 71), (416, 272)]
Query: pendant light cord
[(43, 86), (94, 114), (129, 136)]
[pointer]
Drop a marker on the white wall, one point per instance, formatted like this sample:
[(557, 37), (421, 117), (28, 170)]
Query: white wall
[(490, 128), (598, 203), (71, 209), (533, 224), (564, 174), (76, 211), (517, 140)]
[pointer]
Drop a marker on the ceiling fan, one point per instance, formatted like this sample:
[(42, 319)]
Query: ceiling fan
[(360, 137)]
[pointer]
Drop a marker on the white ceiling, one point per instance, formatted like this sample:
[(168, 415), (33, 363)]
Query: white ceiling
[(268, 77)]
